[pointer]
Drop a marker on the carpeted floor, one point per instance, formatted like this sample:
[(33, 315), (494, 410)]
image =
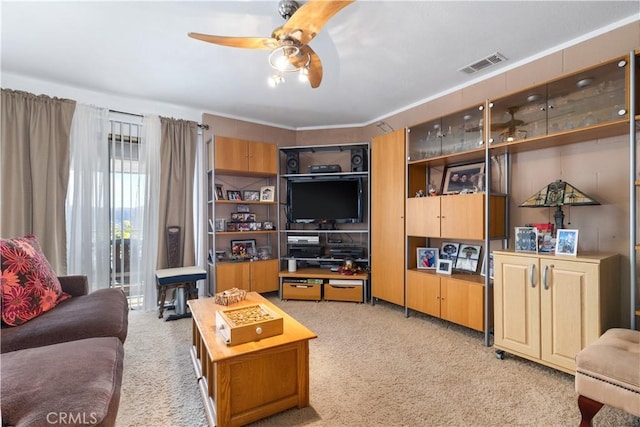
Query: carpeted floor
[(370, 366)]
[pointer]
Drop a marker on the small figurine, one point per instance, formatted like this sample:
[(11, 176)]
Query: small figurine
[(420, 193)]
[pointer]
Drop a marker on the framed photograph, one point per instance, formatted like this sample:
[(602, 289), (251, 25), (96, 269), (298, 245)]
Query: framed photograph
[(242, 208), (234, 195), (219, 192), (468, 257), (252, 195), (444, 266), (449, 250), (255, 226), (462, 178), (243, 226), (237, 216), (221, 224), (483, 271), (268, 193), (427, 258), (567, 242), (264, 252), (267, 225), (243, 248), (526, 239)]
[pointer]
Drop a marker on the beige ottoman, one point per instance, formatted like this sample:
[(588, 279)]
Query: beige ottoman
[(608, 373)]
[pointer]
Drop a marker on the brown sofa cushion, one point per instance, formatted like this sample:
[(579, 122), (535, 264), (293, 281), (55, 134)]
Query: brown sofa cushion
[(72, 383), (30, 287), (102, 313)]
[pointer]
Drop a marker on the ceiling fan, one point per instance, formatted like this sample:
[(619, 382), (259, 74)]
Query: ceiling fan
[(289, 43)]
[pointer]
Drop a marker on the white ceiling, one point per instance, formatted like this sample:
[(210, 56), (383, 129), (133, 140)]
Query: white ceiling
[(379, 57)]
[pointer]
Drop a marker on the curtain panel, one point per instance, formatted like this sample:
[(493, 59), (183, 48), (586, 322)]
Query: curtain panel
[(88, 197), (34, 170), (177, 175)]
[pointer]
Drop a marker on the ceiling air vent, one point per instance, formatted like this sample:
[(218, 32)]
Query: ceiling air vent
[(494, 58)]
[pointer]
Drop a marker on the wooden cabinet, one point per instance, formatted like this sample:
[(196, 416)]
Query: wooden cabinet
[(457, 300), (233, 155), (456, 216), (243, 166), (388, 160), (548, 308), (253, 276)]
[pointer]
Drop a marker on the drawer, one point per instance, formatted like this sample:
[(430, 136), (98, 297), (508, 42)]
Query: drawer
[(304, 291), (343, 292)]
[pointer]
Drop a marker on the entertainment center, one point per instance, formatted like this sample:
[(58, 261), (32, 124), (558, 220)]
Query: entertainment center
[(324, 222)]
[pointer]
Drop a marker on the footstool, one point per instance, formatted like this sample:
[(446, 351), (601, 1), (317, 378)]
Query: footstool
[(608, 373)]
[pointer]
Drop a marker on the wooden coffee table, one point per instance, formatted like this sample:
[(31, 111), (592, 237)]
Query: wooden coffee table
[(246, 382)]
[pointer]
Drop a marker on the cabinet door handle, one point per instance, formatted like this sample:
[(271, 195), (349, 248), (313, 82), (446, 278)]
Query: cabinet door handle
[(532, 277), (545, 279)]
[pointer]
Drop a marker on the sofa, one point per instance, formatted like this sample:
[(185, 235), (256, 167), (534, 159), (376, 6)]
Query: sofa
[(65, 366)]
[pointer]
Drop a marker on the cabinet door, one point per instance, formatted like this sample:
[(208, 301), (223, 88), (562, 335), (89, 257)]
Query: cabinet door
[(462, 302), (517, 304), (263, 158), (388, 161), (569, 307), (230, 154), (423, 216), (423, 292), (233, 275), (264, 276), (462, 216)]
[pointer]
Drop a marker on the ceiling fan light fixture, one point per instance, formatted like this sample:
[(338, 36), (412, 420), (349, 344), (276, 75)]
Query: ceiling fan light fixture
[(279, 58), (275, 80), (303, 75)]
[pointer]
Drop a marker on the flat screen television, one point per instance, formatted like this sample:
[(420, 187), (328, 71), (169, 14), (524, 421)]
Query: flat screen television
[(325, 200)]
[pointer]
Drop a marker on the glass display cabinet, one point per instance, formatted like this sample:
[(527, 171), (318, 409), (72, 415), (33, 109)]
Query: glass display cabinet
[(588, 99)]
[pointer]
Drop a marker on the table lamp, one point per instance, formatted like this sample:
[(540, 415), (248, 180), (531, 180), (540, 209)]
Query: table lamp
[(558, 193)]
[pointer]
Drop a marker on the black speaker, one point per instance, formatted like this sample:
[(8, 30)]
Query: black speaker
[(358, 160), (293, 162)]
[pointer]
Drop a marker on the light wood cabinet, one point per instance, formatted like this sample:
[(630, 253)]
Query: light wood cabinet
[(233, 155), (457, 300), (252, 276), (388, 161), (459, 216), (548, 308)]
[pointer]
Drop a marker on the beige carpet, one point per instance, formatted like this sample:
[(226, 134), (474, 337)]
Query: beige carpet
[(370, 366)]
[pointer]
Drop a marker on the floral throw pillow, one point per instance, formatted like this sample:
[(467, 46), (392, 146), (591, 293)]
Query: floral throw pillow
[(29, 285)]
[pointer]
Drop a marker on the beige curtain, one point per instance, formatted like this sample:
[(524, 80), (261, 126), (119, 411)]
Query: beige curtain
[(177, 173), (34, 172)]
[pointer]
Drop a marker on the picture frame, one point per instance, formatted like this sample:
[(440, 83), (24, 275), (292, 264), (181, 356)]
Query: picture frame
[(221, 224), (267, 225), (567, 242), (234, 195), (219, 192), (483, 270), (242, 208), (426, 258), (449, 250), (526, 239), (251, 195), (263, 252), (462, 178), (243, 248), (267, 193), (468, 257), (444, 266)]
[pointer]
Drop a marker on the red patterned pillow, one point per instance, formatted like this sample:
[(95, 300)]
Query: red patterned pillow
[(29, 285)]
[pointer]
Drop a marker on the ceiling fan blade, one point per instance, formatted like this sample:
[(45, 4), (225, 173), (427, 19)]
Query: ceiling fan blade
[(243, 42), (315, 68), (309, 19)]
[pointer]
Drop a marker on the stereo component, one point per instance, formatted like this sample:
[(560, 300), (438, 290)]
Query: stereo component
[(293, 162), (324, 168), (358, 160)]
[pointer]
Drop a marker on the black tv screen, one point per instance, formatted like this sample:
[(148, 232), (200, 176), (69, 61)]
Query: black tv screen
[(320, 200)]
